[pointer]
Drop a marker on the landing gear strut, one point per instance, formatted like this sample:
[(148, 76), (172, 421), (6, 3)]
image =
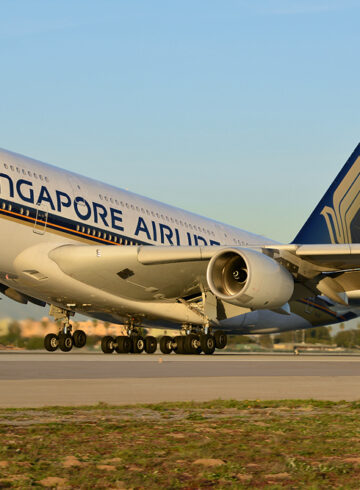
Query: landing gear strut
[(65, 340)]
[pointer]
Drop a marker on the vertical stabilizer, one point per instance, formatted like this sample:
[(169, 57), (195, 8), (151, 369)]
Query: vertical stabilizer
[(336, 219)]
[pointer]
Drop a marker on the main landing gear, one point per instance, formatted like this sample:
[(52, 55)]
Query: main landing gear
[(124, 344), (190, 343), (193, 343), (133, 342), (65, 340)]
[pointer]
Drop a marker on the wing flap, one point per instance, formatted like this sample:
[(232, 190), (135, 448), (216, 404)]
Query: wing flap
[(332, 256), (327, 257)]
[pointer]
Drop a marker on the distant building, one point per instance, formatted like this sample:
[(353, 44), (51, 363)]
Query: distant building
[(40, 328), (4, 326)]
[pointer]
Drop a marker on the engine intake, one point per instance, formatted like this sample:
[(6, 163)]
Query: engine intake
[(250, 279)]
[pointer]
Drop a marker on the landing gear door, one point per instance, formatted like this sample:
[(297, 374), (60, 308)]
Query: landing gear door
[(41, 219)]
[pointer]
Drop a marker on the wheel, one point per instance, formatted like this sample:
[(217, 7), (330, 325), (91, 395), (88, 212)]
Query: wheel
[(192, 344), (138, 344), (166, 344), (51, 342), (220, 339), (107, 344), (65, 342), (179, 341), (150, 344), (79, 338), (207, 343), (123, 344)]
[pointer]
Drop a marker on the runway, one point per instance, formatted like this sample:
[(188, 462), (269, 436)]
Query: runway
[(33, 379)]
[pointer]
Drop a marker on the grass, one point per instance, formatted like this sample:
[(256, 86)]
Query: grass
[(221, 444)]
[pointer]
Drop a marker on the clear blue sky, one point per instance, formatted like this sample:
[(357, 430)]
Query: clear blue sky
[(239, 110)]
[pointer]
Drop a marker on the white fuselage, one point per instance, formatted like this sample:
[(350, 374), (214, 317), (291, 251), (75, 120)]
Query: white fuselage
[(42, 206)]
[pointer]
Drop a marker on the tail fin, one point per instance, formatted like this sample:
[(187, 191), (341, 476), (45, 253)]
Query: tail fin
[(336, 218)]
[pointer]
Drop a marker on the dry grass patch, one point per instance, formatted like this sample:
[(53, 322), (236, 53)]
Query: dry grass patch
[(221, 444)]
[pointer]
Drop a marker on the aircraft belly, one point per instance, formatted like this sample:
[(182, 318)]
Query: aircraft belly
[(118, 271), (36, 275)]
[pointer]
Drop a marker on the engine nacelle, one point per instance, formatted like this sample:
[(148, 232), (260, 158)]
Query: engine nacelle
[(250, 279)]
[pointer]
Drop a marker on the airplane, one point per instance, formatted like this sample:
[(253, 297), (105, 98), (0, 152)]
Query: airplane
[(81, 246)]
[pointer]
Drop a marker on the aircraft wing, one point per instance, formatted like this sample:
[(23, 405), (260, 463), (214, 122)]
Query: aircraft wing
[(164, 273)]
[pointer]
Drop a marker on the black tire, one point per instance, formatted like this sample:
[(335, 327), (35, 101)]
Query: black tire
[(150, 344), (166, 344), (123, 344), (179, 347), (220, 339), (138, 344), (107, 344), (192, 344), (207, 343), (51, 342), (79, 338), (65, 342)]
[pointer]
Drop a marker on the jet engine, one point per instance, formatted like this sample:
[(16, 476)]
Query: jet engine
[(249, 279)]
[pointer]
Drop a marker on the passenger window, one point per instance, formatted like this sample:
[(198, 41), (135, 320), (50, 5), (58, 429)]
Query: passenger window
[(41, 177)]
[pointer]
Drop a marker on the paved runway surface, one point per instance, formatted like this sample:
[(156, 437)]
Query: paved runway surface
[(38, 379)]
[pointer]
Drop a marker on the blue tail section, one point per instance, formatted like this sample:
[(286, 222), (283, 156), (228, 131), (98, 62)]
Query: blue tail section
[(336, 218)]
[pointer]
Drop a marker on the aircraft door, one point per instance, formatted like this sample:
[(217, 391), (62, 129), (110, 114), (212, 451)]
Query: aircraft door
[(41, 219)]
